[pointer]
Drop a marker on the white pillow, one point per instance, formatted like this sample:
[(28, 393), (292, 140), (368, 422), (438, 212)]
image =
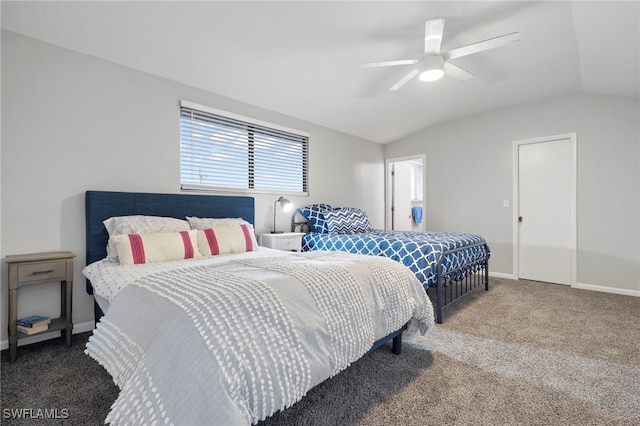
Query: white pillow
[(157, 247), (211, 222), (140, 224), (227, 239)]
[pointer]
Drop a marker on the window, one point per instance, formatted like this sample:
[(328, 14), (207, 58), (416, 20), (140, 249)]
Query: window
[(417, 180), (220, 150)]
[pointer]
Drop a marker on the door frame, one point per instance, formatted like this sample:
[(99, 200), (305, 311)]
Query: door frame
[(388, 185), (574, 205)]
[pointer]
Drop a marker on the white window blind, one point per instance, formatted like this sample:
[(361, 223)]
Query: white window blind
[(416, 181), (220, 150)]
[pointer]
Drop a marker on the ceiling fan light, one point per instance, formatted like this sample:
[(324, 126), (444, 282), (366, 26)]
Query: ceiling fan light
[(431, 68), (432, 74)]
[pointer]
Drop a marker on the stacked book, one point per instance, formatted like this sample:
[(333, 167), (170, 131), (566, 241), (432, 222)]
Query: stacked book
[(33, 324)]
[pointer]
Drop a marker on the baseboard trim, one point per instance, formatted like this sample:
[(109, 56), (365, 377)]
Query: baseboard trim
[(606, 289), (77, 328), (501, 275), (592, 287)]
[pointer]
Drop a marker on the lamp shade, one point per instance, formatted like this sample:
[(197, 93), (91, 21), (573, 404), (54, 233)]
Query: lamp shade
[(285, 205)]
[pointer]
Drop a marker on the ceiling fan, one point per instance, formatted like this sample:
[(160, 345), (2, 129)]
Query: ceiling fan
[(434, 64)]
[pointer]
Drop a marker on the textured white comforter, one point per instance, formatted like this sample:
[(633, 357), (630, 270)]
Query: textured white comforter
[(231, 341)]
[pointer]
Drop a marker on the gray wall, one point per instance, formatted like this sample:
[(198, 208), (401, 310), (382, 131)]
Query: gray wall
[(72, 123), (469, 172)]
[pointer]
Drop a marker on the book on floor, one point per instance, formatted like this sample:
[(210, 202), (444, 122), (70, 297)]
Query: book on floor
[(34, 321), (33, 330)]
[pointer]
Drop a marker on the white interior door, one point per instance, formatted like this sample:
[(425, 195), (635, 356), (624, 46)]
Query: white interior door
[(401, 196), (546, 210)]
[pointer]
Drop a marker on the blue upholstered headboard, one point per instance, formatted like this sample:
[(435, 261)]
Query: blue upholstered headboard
[(101, 205)]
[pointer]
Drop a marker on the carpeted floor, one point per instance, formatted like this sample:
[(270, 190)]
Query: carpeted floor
[(524, 353)]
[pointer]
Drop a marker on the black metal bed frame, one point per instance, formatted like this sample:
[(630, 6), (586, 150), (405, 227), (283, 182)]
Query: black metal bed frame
[(451, 285)]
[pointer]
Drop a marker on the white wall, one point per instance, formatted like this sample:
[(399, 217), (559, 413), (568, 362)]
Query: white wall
[(72, 123), (469, 174)]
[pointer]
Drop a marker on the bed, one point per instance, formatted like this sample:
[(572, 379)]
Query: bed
[(449, 265), (234, 336)]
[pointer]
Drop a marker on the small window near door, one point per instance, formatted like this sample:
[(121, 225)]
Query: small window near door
[(417, 180)]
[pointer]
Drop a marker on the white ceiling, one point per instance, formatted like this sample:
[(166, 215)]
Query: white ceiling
[(301, 58)]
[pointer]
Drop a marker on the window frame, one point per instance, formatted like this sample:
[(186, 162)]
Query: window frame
[(249, 122), (417, 181)]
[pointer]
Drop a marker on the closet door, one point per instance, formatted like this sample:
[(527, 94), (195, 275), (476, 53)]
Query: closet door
[(546, 212)]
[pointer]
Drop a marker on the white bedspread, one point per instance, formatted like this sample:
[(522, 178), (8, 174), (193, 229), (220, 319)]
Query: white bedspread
[(233, 339)]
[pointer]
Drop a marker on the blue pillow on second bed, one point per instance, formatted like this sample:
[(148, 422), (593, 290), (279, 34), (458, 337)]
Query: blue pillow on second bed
[(347, 220), (315, 216)]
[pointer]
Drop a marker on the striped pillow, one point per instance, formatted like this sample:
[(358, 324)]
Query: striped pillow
[(347, 220), (156, 247), (227, 239), (140, 224)]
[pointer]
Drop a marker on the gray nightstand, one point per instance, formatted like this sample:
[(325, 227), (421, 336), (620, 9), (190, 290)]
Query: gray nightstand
[(39, 268), (289, 241)]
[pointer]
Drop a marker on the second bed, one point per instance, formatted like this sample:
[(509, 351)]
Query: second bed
[(448, 264)]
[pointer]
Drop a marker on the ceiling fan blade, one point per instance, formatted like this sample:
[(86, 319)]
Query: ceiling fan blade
[(433, 35), (482, 46), (456, 72), (405, 79), (389, 63)]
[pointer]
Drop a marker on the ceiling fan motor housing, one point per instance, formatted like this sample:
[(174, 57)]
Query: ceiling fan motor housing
[(431, 67)]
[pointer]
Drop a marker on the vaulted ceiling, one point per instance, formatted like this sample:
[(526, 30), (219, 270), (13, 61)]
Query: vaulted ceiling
[(302, 58)]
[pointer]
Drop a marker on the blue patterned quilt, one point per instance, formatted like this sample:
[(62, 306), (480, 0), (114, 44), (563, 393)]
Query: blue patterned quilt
[(420, 251)]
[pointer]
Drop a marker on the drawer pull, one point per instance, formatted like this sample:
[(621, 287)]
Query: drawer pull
[(48, 271)]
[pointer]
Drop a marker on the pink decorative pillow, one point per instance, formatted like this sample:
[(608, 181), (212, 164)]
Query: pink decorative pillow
[(156, 247), (140, 224), (227, 239)]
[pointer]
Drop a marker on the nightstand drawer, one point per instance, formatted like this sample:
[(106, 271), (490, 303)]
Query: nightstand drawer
[(289, 243), (41, 271), (282, 241)]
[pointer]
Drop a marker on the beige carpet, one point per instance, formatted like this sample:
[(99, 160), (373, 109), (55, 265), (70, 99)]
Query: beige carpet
[(524, 353)]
